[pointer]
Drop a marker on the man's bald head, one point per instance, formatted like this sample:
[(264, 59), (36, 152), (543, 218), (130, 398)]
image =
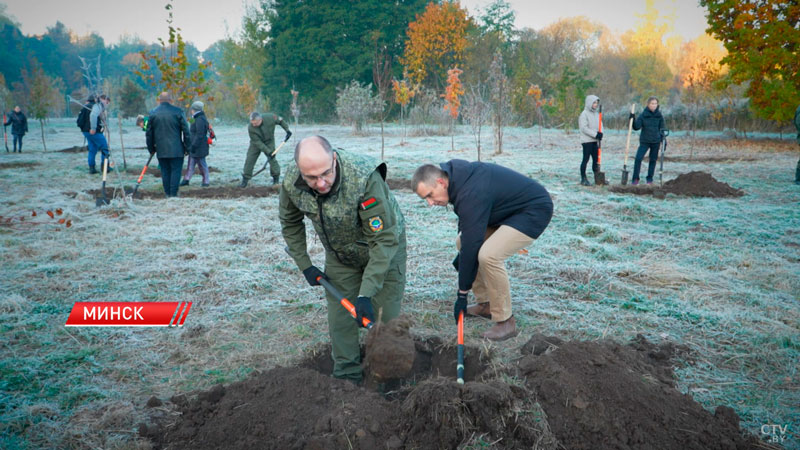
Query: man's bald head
[(165, 97), (312, 147)]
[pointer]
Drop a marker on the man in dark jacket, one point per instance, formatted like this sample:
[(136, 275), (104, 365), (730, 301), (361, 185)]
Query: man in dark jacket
[(500, 212), (797, 125), (651, 122), (19, 126), (198, 144), (167, 137)]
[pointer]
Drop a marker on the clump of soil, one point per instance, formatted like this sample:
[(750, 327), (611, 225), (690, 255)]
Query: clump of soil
[(729, 158), (211, 192), (15, 165), (604, 395), (399, 183), (692, 184), (156, 172), (75, 149), (592, 395), (390, 350)]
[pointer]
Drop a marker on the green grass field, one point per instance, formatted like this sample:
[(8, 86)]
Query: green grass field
[(720, 276)]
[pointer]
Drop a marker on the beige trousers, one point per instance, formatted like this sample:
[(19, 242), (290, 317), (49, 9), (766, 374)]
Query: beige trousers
[(491, 283)]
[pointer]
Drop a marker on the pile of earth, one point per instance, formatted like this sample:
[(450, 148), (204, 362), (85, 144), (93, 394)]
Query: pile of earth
[(156, 172), (17, 165), (212, 192), (692, 184), (575, 395)]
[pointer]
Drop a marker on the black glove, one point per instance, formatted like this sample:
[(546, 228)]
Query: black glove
[(312, 273), (460, 305), (632, 116), (364, 309), (455, 260), (152, 152), (599, 136), (288, 135)]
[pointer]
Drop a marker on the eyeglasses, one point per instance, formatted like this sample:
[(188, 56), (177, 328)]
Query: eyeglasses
[(311, 179)]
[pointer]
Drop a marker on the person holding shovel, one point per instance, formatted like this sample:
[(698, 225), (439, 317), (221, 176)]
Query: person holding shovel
[(262, 140), (651, 122), (93, 131), (198, 145), (19, 126), (500, 212), (361, 227), (167, 137), (589, 125)]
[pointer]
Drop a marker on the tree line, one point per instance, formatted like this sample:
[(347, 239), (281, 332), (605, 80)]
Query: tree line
[(308, 59)]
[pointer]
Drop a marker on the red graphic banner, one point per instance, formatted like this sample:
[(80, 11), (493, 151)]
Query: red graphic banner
[(128, 314)]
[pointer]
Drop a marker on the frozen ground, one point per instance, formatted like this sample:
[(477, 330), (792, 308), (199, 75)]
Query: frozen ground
[(721, 276)]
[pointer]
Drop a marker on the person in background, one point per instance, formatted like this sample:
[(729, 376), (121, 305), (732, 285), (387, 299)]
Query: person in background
[(651, 122), (797, 125), (262, 140), (589, 125), (198, 145), (167, 137), (19, 126)]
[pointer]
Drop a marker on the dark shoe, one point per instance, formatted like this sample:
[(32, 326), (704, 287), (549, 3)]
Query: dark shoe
[(796, 181), (243, 184), (204, 185), (649, 181), (92, 170), (585, 181), (635, 182), (480, 310), (502, 330), (184, 183), (275, 180)]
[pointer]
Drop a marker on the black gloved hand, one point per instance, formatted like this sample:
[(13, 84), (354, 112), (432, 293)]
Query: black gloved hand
[(455, 260), (460, 305), (152, 152), (599, 136), (288, 135), (364, 309), (312, 273), (632, 116)]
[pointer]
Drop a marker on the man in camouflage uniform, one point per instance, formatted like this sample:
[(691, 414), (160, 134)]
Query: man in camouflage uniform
[(262, 140), (358, 221)]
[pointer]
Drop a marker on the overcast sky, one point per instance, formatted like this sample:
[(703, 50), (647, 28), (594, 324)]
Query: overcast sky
[(205, 21)]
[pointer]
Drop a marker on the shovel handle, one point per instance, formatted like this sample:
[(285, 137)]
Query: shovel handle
[(144, 169), (460, 366), (344, 301), (630, 130), (276, 150)]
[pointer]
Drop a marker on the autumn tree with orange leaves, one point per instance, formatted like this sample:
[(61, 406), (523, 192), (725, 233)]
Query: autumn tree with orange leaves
[(452, 99), (437, 39), (403, 93)]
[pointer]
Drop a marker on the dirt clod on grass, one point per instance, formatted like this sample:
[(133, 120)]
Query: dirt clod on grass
[(15, 165), (399, 183), (74, 149), (561, 394), (156, 172), (390, 349), (211, 192), (692, 184)]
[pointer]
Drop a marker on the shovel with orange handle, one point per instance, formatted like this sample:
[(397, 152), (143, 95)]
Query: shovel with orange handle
[(460, 364), (141, 175)]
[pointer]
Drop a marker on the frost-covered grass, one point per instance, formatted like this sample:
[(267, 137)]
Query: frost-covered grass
[(719, 276)]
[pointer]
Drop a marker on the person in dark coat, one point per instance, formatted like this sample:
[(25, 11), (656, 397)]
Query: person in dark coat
[(198, 145), (797, 126), (651, 122), (500, 212), (167, 137), (19, 126)]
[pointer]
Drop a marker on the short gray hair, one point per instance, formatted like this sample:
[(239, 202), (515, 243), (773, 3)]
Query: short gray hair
[(426, 174), (255, 115), (318, 139), (651, 99)]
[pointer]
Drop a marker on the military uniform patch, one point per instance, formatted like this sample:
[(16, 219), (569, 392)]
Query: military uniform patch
[(368, 203), (376, 223)]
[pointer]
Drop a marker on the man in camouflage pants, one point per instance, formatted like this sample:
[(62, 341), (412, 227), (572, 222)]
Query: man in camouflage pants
[(262, 140), (358, 221)]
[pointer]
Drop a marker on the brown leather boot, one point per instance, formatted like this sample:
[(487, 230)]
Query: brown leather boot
[(502, 330), (480, 309)]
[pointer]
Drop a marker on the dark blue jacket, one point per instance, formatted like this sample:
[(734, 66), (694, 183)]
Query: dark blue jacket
[(198, 130), (488, 195), (18, 122), (167, 132), (651, 123)]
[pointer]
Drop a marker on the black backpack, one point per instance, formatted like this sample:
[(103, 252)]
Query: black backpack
[(83, 117)]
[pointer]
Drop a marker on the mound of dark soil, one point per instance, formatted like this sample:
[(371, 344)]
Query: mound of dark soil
[(399, 183), (156, 172), (604, 395), (75, 149), (211, 192), (692, 184), (390, 350), (15, 165), (595, 395), (732, 158)]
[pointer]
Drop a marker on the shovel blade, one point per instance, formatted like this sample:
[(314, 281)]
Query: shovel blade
[(599, 178), (624, 177)]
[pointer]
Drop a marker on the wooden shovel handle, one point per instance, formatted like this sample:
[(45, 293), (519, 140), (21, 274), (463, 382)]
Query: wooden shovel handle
[(630, 129)]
